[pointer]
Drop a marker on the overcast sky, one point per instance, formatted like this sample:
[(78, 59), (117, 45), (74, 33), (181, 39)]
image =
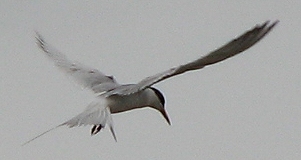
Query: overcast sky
[(247, 107)]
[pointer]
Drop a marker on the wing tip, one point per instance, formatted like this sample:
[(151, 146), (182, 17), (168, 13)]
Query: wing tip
[(40, 41), (268, 25), (274, 23)]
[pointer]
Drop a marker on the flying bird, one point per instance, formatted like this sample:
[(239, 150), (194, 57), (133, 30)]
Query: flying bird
[(112, 97)]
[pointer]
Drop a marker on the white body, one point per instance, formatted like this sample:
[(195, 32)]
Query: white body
[(144, 98), (114, 98)]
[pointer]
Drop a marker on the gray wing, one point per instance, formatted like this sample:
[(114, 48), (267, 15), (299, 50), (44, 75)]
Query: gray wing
[(97, 113), (86, 76), (232, 48)]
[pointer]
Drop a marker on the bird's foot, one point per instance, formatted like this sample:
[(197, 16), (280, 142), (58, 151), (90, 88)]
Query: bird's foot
[(95, 129)]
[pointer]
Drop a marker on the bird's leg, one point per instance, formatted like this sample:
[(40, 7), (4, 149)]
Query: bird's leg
[(95, 129)]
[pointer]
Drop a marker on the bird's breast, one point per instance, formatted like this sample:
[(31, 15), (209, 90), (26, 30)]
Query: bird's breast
[(121, 103)]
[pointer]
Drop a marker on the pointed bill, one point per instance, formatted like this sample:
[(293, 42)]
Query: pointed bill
[(164, 113)]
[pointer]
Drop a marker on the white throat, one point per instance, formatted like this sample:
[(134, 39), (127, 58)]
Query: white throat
[(144, 98)]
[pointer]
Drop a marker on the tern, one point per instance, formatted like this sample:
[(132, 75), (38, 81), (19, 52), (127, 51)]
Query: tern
[(112, 97)]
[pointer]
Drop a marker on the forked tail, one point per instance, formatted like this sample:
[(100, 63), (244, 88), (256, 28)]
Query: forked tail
[(42, 134)]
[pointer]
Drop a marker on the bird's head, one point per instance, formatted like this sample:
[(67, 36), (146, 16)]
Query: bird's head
[(159, 104)]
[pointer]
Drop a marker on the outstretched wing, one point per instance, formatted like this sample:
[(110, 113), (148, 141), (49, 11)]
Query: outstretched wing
[(97, 114), (86, 76), (232, 48)]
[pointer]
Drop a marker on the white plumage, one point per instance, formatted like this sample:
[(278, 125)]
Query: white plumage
[(113, 97)]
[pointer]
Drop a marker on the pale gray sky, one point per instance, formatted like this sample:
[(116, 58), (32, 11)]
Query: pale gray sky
[(247, 107)]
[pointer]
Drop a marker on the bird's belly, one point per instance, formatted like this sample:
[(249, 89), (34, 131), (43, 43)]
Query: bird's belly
[(125, 103)]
